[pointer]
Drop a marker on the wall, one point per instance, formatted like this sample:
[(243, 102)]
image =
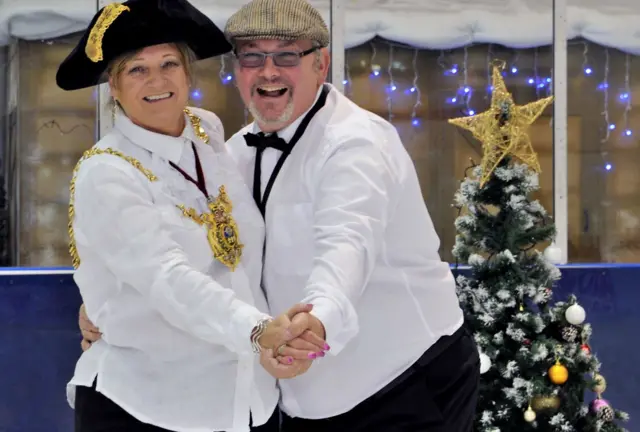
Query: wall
[(40, 341)]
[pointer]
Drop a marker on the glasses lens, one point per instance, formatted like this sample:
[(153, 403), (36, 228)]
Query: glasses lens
[(286, 59), (251, 60)]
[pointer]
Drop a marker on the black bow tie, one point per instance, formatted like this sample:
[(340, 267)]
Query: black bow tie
[(261, 141)]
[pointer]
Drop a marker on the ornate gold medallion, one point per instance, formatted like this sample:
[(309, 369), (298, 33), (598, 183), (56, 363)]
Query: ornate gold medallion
[(222, 230)]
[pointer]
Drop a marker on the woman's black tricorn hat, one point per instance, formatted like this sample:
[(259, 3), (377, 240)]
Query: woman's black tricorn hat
[(119, 28)]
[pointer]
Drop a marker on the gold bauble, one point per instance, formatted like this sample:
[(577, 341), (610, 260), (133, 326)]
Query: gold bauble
[(600, 384), (542, 403), (558, 374)]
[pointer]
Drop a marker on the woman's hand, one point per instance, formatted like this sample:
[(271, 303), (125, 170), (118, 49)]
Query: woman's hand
[(280, 370), (303, 336), (310, 345), (287, 327), (303, 348)]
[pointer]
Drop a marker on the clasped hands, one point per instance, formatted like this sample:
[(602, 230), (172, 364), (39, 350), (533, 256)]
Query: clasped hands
[(291, 342)]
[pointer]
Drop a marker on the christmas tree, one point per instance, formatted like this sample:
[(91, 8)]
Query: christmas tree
[(535, 355)]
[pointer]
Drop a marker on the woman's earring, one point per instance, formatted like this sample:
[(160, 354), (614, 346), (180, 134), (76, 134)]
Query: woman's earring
[(114, 110)]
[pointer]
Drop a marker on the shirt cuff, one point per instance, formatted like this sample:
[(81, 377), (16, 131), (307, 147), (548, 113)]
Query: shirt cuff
[(329, 314), (244, 320)]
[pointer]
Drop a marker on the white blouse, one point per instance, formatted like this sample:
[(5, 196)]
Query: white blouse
[(175, 320)]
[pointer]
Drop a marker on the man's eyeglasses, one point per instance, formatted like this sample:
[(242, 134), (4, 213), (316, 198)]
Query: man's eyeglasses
[(280, 58)]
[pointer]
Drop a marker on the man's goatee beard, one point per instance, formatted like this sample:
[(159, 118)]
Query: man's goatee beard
[(282, 118)]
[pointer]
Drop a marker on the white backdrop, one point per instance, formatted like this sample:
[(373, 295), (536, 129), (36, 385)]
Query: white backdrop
[(436, 24)]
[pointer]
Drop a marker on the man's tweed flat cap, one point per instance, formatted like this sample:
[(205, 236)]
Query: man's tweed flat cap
[(277, 19)]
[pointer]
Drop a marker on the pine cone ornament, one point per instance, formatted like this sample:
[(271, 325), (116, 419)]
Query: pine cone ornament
[(606, 414), (570, 334)]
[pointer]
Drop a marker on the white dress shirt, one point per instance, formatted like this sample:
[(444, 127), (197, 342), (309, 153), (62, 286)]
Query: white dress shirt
[(175, 350), (347, 230)]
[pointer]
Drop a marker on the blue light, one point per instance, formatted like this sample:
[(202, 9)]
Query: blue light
[(588, 70), (467, 89), (376, 73), (228, 78), (612, 127), (490, 88), (393, 87), (603, 86), (624, 96), (451, 71), (514, 70), (608, 167), (472, 112), (541, 85), (453, 100), (548, 80), (531, 81), (627, 132), (196, 94), (345, 82), (415, 122), (412, 89)]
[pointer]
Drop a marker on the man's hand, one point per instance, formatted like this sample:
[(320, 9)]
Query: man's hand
[(90, 333), (289, 326), (309, 345)]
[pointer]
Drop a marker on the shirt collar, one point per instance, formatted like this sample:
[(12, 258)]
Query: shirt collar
[(165, 146), (287, 132)]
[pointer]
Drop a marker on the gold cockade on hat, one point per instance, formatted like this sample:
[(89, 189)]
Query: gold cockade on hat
[(502, 129), (93, 49)]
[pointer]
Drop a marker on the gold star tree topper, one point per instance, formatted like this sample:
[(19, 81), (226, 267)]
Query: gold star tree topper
[(502, 129)]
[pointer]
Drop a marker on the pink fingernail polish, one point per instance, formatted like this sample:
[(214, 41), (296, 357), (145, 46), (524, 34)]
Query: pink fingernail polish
[(289, 360), (312, 355), (327, 347), (320, 354)]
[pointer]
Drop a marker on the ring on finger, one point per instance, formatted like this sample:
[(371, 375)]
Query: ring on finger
[(280, 348)]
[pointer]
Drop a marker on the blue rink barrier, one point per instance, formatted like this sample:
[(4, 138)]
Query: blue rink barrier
[(40, 340)]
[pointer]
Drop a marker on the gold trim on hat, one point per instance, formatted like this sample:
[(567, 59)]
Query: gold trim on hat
[(93, 49)]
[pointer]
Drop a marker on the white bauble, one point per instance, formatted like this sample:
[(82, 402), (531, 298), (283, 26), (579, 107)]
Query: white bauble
[(575, 314), (529, 415), (485, 363), (553, 254)]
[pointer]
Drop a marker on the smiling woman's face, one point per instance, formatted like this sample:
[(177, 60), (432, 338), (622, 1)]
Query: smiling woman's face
[(152, 87)]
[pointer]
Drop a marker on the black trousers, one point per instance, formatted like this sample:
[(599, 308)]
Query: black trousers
[(437, 394), (94, 412)]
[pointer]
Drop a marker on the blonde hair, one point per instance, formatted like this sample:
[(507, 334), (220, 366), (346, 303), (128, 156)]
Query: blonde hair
[(118, 65)]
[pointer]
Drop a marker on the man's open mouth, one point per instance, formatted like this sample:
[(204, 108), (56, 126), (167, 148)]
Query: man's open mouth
[(272, 91)]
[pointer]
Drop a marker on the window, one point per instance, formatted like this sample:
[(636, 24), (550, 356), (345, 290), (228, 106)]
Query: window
[(604, 181), (54, 128), (418, 91)]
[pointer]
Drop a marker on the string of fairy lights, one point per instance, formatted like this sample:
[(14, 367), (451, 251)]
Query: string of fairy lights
[(622, 95), (462, 97)]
